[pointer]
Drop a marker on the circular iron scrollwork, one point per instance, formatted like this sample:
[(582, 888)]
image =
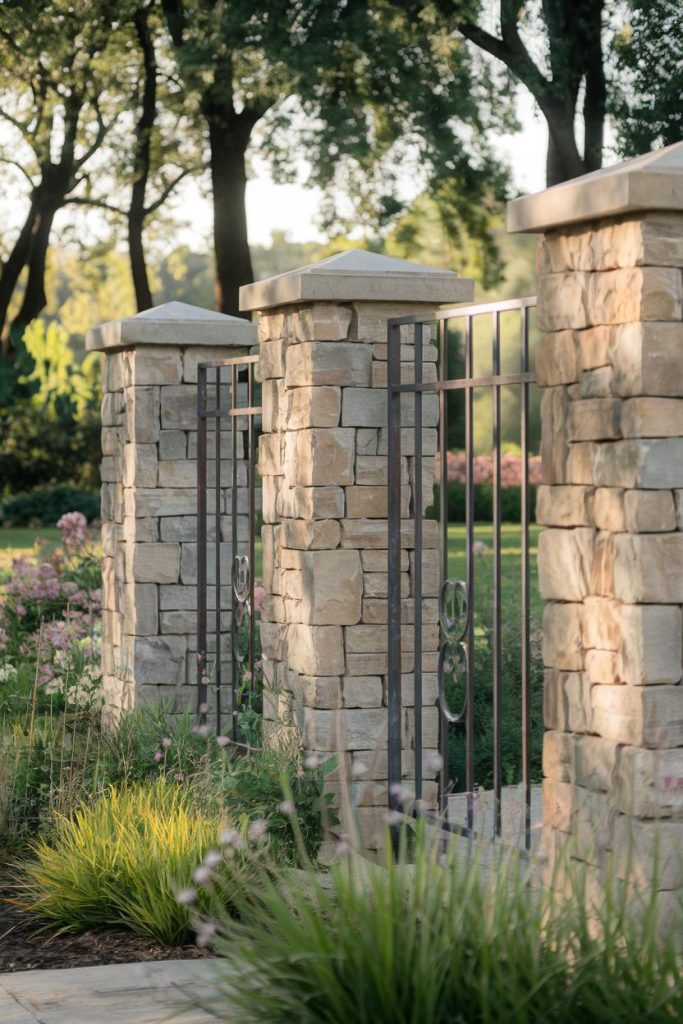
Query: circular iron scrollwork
[(453, 655), (241, 585)]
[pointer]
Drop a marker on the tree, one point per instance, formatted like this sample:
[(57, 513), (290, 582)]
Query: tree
[(55, 94), (648, 104)]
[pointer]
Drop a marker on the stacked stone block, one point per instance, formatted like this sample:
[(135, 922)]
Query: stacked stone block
[(323, 463), (149, 502), (610, 301)]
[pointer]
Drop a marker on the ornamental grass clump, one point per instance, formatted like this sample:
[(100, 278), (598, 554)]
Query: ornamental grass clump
[(425, 940), (123, 861)]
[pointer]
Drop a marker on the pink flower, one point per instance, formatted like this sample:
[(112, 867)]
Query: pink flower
[(74, 527)]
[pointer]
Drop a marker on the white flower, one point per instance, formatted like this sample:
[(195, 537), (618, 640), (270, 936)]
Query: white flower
[(312, 762), (286, 807), (222, 741), (358, 768), (205, 932), (212, 858), (433, 762), (393, 817), (202, 875), (258, 829), (186, 896)]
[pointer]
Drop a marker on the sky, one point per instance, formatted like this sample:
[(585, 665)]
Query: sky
[(294, 209)]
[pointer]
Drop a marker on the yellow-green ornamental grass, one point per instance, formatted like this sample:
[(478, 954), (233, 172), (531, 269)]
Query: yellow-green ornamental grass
[(123, 860)]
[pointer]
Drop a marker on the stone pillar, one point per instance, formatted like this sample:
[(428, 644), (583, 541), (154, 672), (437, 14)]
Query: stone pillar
[(149, 495), (610, 299), (323, 462)]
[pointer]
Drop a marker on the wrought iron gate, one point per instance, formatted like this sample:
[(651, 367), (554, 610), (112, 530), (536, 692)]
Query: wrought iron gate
[(226, 524), (456, 600)]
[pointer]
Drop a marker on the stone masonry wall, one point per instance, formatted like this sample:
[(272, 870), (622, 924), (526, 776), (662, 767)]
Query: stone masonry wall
[(323, 462), (149, 523), (610, 297)]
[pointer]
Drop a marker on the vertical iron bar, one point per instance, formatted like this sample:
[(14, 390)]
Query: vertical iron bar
[(233, 552), (469, 531), (526, 701), (443, 551), (497, 636), (251, 464), (201, 545), (217, 549), (394, 568), (417, 568)]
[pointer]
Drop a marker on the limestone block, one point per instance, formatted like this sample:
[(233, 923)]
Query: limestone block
[(376, 560), (312, 407), (153, 364), (604, 245), (111, 502), (319, 456), (649, 853), (112, 410), (602, 576), (329, 363), (565, 560), (274, 642), (179, 622), (580, 461), (322, 321), (652, 464), (595, 419), (141, 609), (559, 804), (678, 498), (555, 709), (380, 374), (367, 441), (563, 505), (430, 689), (429, 441), (322, 692), (646, 359), (112, 371), (645, 716), (188, 562), (595, 761), (179, 528), (310, 502), (608, 509), (139, 465), (175, 597), (163, 501), (649, 568), (367, 407), (352, 729), (601, 623), (651, 648), (594, 384), (556, 359), (172, 445), (193, 355), (652, 417), (271, 326), (371, 318), (649, 783), (577, 299), (366, 502), (602, 667), (649, 511), (562, 637), (179, 407), (362, 691), (309, 535), (270, 491), (558, 756), (554, 441), (593, 347), (272, 358), (315, 650), (373, 533), (156, 660), (270, 455), (152, 563), (372, 470), (109, 470), (332, 587), (178, 473), (142, 407), (112, 440)]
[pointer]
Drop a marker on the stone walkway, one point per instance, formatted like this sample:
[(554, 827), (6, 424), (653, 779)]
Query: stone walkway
[(142, 993)]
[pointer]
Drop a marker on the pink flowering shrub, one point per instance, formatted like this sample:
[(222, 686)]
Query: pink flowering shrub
[(74, 527), (482, 467)]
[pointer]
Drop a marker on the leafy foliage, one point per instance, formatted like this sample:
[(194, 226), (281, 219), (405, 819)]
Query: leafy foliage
[(46, 504)]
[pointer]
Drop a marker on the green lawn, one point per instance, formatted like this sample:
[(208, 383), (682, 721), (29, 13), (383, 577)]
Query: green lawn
[(16, 542)]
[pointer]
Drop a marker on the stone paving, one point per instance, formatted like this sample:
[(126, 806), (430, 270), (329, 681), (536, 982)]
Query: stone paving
[(142, 993)]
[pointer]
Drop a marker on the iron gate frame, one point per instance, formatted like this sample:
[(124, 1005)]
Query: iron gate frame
[(460, 630), (242, 574)]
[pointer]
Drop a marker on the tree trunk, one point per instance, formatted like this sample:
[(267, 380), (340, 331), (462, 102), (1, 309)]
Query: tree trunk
[(229, 179), (145, 124), (34, 299), (563, 159), (16, 261)]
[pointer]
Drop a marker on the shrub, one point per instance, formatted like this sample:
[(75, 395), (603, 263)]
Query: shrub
[(432, 942), (123, 861), (510, 503), (44, 506)]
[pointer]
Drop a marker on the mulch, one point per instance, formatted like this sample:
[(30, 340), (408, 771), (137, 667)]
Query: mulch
[(27, 945)]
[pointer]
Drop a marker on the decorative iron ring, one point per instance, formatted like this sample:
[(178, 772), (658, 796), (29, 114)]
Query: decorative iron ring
[(453, 653), (241, 578)]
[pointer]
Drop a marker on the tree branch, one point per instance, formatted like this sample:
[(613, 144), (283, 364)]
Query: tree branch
[(100, 204), (153, 207), (19, 167)]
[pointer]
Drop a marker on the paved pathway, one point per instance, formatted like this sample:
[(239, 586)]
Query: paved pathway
[(143, 993)]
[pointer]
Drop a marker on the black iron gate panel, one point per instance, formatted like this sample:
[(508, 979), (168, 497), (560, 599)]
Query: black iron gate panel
[(228, 422), (456, 600)]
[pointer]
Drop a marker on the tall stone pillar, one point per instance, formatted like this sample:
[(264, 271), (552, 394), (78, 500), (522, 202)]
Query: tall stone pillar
[(149, 495), (610, 299), (323, 462)]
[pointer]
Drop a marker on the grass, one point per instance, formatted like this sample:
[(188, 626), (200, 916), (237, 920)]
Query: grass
[(511, 564), (18, 542)]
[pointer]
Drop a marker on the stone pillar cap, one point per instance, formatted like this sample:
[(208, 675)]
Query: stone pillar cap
[(650, 182), (173, 323), (358, 276)]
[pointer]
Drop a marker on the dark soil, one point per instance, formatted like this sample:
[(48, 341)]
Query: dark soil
[(26, 945)]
